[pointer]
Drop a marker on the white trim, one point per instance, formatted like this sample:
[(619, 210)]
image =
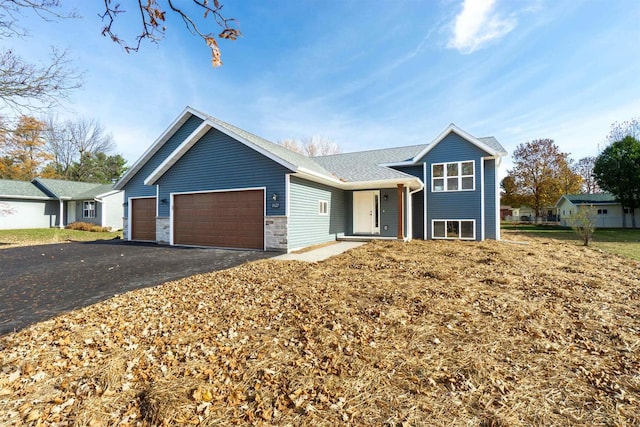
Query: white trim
[(176, 154), (497, 198), (460, 177), (107, 194), (157, 201), (482, 202), (410, 220), (197, 134), (9, 196), (227, 190), (61, 217), (374, 229), (424, 205), (182, 118), (287, 195), (459, 227), (455, 129), (130, 213)]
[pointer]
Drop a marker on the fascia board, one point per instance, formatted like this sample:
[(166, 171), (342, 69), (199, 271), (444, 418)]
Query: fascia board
[(453, 128), (180, 151), (157, 144)]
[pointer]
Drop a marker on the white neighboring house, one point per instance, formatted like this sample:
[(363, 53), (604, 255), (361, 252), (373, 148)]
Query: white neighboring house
[(45, 203), (609, 212)]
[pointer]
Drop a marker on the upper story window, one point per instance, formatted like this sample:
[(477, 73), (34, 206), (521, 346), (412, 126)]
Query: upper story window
[(453, 176), (88, 209)]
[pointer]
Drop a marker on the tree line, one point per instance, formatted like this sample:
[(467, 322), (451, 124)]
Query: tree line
[(76, 150), (542, 173)]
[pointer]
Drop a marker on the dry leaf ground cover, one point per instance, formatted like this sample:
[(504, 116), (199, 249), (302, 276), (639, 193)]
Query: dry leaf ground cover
[(422, 333)]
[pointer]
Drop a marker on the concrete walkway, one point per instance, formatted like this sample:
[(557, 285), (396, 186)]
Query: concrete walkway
[(320, 254)]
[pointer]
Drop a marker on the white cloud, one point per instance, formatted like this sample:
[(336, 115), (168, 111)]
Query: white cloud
[(477, 24)]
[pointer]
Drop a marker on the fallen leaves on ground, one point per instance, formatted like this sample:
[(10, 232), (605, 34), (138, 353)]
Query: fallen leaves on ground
[(396, 334)]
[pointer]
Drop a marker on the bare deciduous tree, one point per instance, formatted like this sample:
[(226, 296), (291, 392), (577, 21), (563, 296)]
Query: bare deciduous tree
[(583, 223), (312, 146), (584, 167), (73, 142), (25, 86)]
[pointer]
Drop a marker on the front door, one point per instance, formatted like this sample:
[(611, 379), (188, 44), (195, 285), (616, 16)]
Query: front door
[(366, 212), (71, 211)]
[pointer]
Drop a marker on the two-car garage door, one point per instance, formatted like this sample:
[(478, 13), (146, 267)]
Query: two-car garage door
[(228, 219)]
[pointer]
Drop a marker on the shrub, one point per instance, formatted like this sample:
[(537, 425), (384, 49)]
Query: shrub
[(583, 223), (85, 226)]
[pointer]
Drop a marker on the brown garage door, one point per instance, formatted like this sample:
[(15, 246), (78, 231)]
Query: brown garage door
[(143, 219), (230, 219)]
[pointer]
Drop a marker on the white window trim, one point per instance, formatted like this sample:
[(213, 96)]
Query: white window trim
[(85, 210), (459, 176), (433, 221), (325, 211)]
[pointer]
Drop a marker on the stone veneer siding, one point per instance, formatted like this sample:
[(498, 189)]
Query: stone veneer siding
[(125, 228), (163, 230), (275, 233)]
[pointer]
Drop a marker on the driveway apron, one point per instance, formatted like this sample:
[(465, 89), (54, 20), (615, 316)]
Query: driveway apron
[(40, 282)]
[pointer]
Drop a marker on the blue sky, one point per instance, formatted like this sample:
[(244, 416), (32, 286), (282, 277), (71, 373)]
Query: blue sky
[(367, 74)]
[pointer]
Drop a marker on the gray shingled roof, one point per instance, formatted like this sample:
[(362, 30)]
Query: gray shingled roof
[(493, 143), (73, 190), (365, 165), (278, 150), (585, 199), (20, 189)]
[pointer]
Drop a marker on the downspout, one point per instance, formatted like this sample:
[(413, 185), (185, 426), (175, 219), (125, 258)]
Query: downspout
[(410, 210)]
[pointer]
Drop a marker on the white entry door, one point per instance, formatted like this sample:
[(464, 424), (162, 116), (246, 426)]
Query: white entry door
[(71, 211), (366, 212)]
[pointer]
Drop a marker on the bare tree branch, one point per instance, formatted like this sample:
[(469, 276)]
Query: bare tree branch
[(32, 87), (11, 10), (153, 18)]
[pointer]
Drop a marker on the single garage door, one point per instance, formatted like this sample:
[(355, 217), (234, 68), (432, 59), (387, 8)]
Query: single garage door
[(143, 219), (229, 219)]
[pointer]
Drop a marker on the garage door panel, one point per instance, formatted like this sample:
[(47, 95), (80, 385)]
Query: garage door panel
[(143, 219), (233, 219)]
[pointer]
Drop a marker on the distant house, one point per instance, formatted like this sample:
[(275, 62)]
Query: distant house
[(506, 212), (44, 203), (205, 182), (610, 213)]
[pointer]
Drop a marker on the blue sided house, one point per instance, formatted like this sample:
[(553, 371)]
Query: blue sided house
[(205, 182)]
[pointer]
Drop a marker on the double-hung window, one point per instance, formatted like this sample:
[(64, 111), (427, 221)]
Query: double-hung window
[(453, 176), (88, 209)]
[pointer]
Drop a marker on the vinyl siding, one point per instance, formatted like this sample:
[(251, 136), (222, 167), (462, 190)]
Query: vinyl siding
[(135, 187), (490, 199), (417, 202), (29, 214), (388, 212), (306, 226), (219, 162), (455, 204)]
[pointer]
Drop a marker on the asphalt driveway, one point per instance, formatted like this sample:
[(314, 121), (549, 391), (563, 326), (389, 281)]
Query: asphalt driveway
[(40, 282)]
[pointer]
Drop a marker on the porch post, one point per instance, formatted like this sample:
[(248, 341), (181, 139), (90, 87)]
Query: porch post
[(61, 218), (400, 212)]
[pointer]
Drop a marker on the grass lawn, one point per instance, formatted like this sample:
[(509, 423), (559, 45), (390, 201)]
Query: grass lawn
[(423, 333), (625, 242), (41, 236)]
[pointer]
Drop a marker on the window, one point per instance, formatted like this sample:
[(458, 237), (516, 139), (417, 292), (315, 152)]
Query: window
[(323, 207), (602, 211), (456, 176), (453, 229), (88, 209)]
